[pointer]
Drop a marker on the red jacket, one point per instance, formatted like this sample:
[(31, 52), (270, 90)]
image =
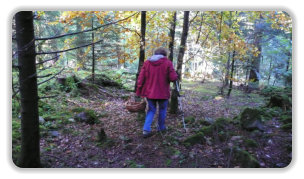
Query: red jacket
[(154, 79)]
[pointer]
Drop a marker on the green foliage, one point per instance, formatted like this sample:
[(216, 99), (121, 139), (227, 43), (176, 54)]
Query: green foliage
[(16, 131), (15, 108)]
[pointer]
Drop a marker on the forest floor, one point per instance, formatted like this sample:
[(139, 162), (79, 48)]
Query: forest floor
[(77, 143)]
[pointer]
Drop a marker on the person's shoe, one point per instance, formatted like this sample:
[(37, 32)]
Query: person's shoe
[(147, 134)]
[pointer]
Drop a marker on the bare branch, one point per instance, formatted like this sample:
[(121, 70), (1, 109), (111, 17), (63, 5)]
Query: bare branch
[(56, 58), (89, 30), (43, 97), (61, 51), (130, 29), (193, 18), (50, 78), (44, 75)]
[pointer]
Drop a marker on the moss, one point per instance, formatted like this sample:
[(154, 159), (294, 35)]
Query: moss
[(250, 143), (242, 158), (189, 119), (221, 123), (207, 130), (251, 119), (16, 133), (89, 116), (280, 100), (223, 136), (78, 109), (194, 139)]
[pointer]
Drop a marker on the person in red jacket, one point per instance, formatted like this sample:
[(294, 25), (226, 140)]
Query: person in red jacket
[(154, 84)]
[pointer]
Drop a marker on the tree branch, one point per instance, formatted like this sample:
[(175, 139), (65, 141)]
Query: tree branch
[(89, 30), (43, 97), (56, 57), (50, 78), (61, 51)]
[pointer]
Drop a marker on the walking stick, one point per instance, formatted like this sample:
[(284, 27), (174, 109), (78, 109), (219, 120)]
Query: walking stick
[(180, 103)]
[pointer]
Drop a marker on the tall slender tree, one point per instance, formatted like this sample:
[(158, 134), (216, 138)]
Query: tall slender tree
[(183, 44), (30, 151), (174, 95), (142, 45), (172, 36), (174, 101)]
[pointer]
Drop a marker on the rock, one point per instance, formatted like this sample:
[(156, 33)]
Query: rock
[(234, 138), (251, 119), (53, 133), (242, 158), (87, 116), (209, 120), (41, 120), (194, 139), (270, 142), (71, 120), (279, 100)]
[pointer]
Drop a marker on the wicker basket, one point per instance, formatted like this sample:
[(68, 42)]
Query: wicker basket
[(133, 106)]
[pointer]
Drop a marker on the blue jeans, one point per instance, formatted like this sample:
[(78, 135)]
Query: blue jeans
[(163, 103)]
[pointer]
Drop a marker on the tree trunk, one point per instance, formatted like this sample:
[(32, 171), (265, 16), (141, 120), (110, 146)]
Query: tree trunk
[(79, 41), (231, 74), (183, 44), (172, 35), (255, 67), (142, 45), (30, 151), (173, 100), (270, 71), (174, 96), (93, 54), (227, 70)]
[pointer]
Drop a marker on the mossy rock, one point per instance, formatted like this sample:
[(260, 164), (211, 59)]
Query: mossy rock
[(104, 80), (194, 139), (221, 123), (88, 116), (223, 135), (250, 119), (207, 130), (245, 159), (280, 100), (241, 158), (189, 119), (250, 143)]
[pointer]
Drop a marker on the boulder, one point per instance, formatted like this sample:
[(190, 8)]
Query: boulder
[(87, 116), (53, 133), (194, 139), (251, 119), (241, 158)]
